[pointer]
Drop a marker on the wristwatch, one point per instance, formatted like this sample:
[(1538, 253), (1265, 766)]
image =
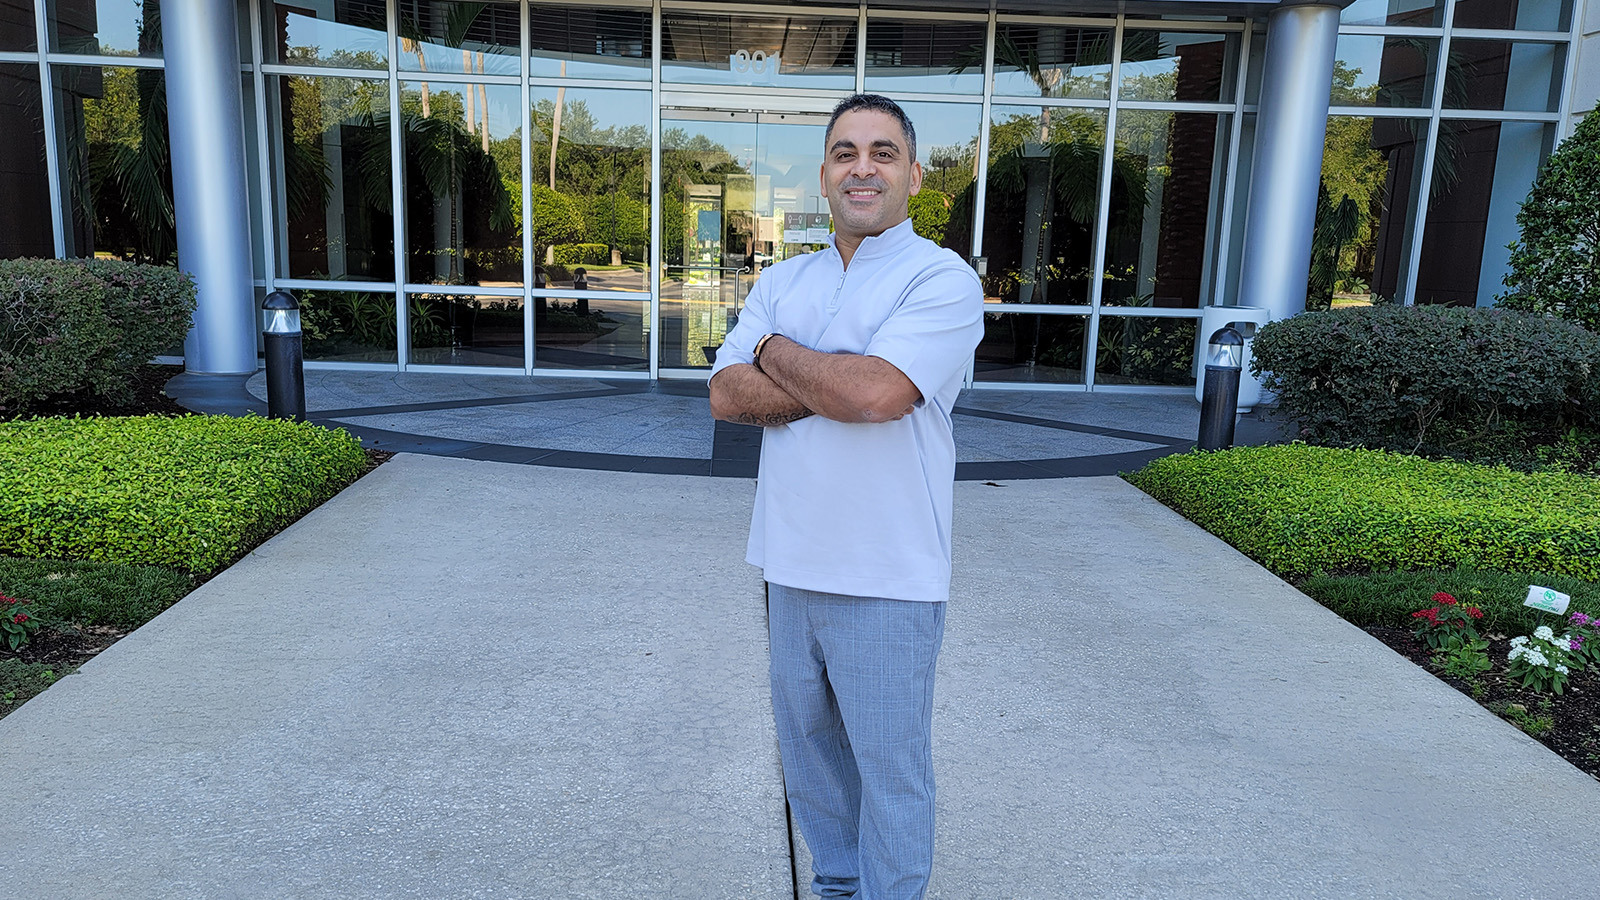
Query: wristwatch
[(760, 345)]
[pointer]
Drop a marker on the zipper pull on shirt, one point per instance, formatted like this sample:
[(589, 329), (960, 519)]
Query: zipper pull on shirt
[(833, 304)]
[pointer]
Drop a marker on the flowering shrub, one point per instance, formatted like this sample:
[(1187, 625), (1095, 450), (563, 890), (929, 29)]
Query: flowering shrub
[(1584, 632), (1447, 624), (16, 625), (1543, 661)]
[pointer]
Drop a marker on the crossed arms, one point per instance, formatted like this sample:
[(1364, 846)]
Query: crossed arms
[(795, 381)]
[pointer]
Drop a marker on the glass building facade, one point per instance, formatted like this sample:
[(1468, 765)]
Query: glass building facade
[(541, 187)]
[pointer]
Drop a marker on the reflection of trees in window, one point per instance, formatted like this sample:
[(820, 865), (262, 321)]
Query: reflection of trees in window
[(336, 164), (687, 161), (595, 188), (114, 123), (458, 194)]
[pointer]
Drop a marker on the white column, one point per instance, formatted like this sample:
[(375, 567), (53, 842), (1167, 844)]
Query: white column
[(1287, 166), (205, 123)]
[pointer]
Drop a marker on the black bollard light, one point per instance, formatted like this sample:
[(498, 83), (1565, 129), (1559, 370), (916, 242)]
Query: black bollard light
[(286, 377), (1219, 400)]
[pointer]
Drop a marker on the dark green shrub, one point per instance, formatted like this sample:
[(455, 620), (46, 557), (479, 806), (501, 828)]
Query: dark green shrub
[(1389, 598), (85, 325), (89, 594), (189, 492), (1430, 379), (1304, 510), (1555, 265), (582, 255)]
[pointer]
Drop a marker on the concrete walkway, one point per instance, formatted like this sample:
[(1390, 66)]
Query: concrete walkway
[(465, 679)]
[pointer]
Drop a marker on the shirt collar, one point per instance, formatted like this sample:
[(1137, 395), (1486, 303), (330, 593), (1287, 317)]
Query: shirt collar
[(890, 241)]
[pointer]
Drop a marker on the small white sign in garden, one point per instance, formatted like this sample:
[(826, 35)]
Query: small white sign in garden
[(1546, 599)]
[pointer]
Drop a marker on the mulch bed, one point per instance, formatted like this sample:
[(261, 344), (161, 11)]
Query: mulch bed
[(1575, 730)]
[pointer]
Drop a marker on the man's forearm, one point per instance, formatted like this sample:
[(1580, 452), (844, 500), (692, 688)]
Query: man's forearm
[(745, 395), (844, 387)]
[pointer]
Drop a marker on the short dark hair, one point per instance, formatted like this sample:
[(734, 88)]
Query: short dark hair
[(881, 104)]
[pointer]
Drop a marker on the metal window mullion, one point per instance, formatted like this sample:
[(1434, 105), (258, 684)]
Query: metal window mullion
[(258, 83), (1052, 102), (1102, 219), (1376, 112), (1491, 34), (909, 15), (397, 198), (861, 46), (329, 71), (1178, 106), (1067, 21), (95, 59), (981, 175), (525, 162), (1219, 282), (1391, 31), (721, 9), (1568, 78), (1499, 115), (461, 290), (575, 82), (1429, 156), (1187, 27), (47, 119), (656, 191), (448, 77), (324, 284)]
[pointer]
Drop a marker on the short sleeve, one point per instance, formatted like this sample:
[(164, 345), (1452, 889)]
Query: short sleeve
[(932, 334), (755, 321)]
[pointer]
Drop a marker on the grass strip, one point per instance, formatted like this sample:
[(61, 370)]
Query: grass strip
[(1389, 598), (90, 594)]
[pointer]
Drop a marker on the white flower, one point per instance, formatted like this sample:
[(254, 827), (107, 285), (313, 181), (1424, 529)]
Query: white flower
[(1561, 669), (1544, 633), (1518, 641), (1564, 643)]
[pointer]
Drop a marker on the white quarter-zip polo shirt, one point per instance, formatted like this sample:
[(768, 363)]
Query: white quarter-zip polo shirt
[(864, 509)]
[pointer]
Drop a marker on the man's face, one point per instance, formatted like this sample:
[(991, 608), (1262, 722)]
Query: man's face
[(868, 173)]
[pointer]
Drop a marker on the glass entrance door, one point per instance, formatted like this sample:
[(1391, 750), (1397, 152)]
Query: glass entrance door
[(740, 191)]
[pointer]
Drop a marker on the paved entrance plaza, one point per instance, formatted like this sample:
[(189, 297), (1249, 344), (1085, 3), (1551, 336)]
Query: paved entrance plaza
[(470, 679)]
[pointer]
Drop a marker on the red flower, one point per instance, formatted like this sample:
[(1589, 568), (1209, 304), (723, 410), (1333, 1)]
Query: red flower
[(1444, 598), (1474, 612), (19, 618)]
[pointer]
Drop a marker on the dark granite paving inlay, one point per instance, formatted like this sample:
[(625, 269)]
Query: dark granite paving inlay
[(732, 441), (471, 403), (1140, 436)]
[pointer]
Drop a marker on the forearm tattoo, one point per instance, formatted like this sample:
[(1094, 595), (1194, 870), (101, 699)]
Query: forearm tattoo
[(770, 419)]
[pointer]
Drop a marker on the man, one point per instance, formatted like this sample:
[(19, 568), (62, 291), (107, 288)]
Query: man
[(851, 358)]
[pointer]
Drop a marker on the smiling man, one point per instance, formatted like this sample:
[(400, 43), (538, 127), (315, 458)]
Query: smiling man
[(851, 358)]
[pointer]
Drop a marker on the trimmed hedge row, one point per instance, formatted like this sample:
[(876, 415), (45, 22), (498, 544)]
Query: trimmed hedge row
[(1433, 379), (1304, 510), (85, 325), (582, 255), (188, 492)]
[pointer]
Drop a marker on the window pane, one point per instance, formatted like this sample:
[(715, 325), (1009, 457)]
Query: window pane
[(1371, 176), (347, 326), (116, 176), (595, 333), (1140, 350), (1523, 15), (456, 330), (590, 42), (1039, 212), (332, 178), (16, 25), (947, 147), (463, 182), (790, 51), (1482, 171), (591, 198), (347, 35), (920, 55), (1372, 70), (105, 27), (1163, 230), (452, 36), (1178, 65), (1052, 61), (1518, 75), (25, 228), (1418, 13), (1032, 348)]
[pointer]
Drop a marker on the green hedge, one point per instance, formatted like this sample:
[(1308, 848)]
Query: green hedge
[(1303, 510), (1389, 598), (89, 594), (582, 255), (189, 492), (85, 325), (1439, 380)]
